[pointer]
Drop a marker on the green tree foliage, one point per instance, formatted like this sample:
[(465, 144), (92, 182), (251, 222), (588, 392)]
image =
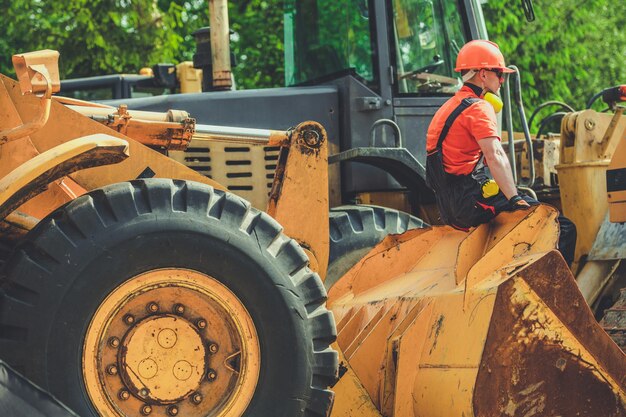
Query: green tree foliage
[(93, 36), (257, 43), (572, 50), (97, 37)]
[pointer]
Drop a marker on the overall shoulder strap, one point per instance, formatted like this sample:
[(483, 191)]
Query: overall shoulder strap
[(465, 103)]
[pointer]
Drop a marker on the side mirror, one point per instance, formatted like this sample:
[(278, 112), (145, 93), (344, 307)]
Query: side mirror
[(38, 72)]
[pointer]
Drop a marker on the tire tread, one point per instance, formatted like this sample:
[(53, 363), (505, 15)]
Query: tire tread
[(354, 230)]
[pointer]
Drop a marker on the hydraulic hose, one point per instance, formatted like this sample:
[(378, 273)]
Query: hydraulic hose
[(594, 98), (546, 104), (610, 95), (544, 122), (517, 94), (506, 96)]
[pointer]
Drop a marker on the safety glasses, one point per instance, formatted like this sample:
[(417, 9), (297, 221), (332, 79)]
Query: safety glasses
[(499, 73)]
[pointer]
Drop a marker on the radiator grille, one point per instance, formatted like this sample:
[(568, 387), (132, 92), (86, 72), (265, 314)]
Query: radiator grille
[(247, 171)]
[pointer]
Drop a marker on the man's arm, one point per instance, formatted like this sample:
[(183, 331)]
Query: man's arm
[(498, 165)]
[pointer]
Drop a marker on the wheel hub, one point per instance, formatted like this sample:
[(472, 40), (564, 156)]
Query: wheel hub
[(171, 342), (164, 355)]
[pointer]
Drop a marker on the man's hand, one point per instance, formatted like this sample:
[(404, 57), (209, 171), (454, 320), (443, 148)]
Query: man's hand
[(518, 203)]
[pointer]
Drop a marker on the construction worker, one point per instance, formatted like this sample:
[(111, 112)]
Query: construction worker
[(463, 139)]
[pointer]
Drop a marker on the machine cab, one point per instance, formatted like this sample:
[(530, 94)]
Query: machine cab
[(393, 61)]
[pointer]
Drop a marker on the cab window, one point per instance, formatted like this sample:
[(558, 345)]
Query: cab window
[(325, 38), (428, 35)]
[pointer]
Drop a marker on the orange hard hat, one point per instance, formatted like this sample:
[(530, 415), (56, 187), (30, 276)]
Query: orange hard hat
[(479, 54)]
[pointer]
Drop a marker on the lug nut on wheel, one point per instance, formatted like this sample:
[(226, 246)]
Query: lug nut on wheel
[(196, 398), (152, 307), (179, 309), (114, 342), (123, 395), (172, 411), (211, 375), (213, 348), (112, 370), (201, 323), (146, 409), (129, 319)]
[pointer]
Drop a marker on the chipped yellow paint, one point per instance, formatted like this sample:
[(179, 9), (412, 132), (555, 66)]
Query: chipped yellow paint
[(533, 404)]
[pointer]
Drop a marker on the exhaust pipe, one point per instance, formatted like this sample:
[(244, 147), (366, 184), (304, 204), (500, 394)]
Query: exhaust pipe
[(220, 46)]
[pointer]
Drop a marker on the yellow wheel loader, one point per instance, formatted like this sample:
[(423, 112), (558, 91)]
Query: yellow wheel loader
[(165, 295), (136, 286)]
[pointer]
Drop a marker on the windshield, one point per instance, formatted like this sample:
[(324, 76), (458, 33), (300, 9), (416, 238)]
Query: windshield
[(325, 37), (428, 36)]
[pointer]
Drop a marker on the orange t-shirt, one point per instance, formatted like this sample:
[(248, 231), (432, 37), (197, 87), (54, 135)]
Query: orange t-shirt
[(461, 151)]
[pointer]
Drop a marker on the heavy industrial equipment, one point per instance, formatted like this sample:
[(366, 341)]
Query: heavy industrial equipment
[(167, 297), (144, 288), (374, 75)]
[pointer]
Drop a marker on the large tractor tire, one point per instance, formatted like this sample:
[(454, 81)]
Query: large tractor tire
[(166, 298), (355, 230)]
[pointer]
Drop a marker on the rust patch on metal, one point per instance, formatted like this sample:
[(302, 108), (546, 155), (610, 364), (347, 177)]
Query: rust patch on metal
[(279, 175), (553, 281), (10, 233), (526, 371), (309, 139)]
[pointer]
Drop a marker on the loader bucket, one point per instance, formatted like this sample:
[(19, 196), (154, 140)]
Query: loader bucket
[(437, 322)]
